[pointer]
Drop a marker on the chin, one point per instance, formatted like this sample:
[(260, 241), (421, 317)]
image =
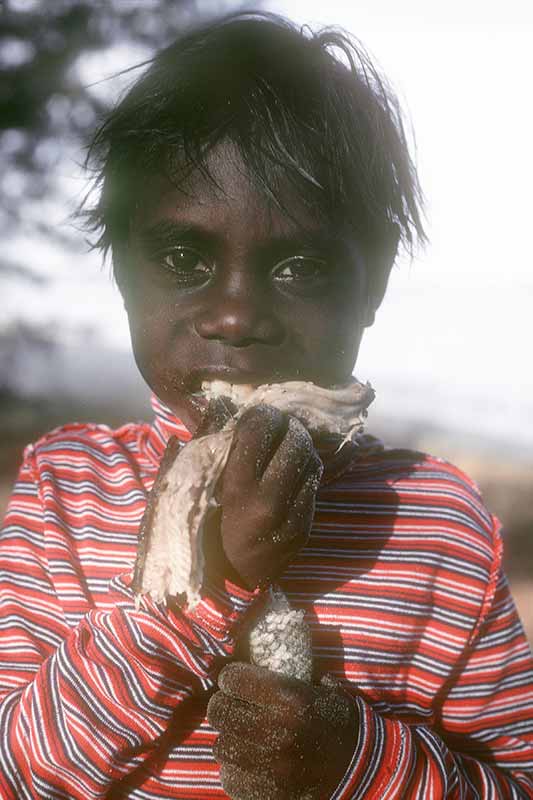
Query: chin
[(190, 411)]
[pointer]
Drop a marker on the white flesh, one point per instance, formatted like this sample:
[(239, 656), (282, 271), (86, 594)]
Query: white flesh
[(174, 562), (340, 410)]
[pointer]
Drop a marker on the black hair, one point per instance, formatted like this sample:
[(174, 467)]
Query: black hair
[(303, 108)]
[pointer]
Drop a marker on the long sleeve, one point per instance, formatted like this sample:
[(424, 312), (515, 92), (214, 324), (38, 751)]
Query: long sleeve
[(480, 745), (81, 706)]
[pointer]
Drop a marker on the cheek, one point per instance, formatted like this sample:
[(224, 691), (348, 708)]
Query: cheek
[(340, 348), (161, 354), (156, 335), (333, 333), (349, 318), (148, 330)]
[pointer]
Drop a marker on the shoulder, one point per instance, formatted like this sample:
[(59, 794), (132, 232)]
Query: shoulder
[(80, 443), (431, 530), (430, 504), (439, 485), (432, 480), (419, 478)]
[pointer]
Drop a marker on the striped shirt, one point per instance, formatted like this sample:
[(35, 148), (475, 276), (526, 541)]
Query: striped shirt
[(401, 580)]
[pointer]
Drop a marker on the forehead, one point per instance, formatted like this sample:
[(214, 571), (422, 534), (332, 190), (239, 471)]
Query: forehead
[(225, 197)]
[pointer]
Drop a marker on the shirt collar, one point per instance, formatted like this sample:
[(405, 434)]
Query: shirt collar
[(165, 425)]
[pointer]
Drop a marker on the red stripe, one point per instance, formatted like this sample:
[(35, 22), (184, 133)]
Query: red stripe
[(402, 582)]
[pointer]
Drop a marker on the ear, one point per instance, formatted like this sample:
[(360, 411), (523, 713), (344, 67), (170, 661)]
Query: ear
[(381, 259)]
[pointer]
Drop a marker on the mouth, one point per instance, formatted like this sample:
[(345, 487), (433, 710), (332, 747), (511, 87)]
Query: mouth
[(223, 373)]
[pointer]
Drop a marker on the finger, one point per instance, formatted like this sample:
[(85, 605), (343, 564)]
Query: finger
[(257, 435), (329, 681), (294, 531), (242, 785), (288, 768), (244, 752), (229, 715), (284, 473), (293, 519), (287, 697)]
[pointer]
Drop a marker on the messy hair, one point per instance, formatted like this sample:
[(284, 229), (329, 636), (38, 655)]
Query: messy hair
[(305, 110)]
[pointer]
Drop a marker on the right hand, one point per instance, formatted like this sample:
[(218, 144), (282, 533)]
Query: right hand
[(267, 497)]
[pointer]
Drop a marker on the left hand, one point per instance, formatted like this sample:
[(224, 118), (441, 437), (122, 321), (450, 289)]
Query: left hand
[(280, 738)]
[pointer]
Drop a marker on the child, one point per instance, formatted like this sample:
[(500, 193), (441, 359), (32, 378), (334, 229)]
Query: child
[(255, 187)]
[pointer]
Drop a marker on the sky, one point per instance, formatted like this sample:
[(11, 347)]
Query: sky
[(461, 313), (451, 341)]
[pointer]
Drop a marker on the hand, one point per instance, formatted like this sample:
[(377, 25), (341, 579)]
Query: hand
[(280, 738), (267, 497)]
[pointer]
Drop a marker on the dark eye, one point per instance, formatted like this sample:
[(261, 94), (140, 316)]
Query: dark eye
[(304, 269), (187, 264)]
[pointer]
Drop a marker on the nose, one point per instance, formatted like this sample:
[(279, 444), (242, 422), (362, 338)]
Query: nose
[(239, 317)]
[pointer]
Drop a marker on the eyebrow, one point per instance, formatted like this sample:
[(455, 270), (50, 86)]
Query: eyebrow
[(168, 232)]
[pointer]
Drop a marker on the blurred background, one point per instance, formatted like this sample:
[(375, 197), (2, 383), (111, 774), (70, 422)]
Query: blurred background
[(449, 354)]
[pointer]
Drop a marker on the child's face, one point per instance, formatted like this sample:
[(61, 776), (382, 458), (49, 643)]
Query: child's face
[(218, 283)]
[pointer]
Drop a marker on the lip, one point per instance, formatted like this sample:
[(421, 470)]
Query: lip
[(224, 373)]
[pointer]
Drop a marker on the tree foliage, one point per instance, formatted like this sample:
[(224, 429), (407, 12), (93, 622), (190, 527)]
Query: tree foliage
[(47, 104)]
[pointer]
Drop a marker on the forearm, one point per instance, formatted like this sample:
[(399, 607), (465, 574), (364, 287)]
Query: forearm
[(97, 707), (396, 761)]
